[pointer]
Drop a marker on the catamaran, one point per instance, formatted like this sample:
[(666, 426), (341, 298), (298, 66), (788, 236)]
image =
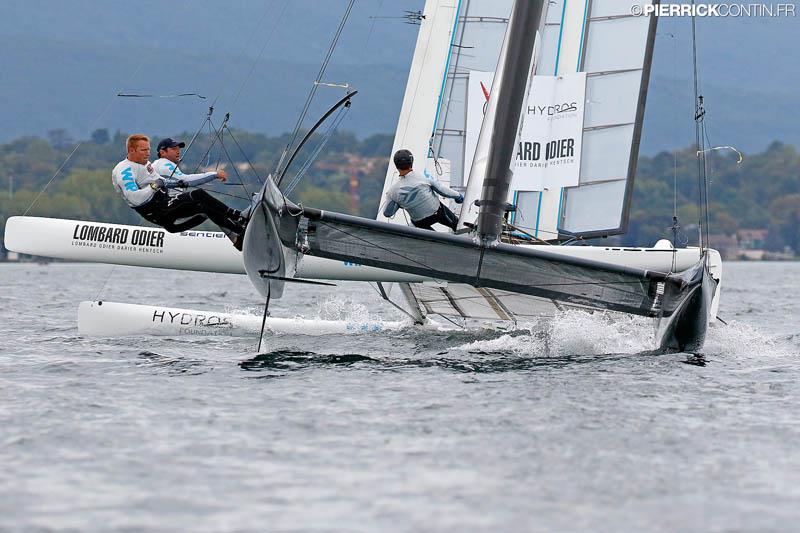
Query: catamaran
[(537, 115)]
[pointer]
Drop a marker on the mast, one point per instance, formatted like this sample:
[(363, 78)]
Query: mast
[(513, 80)]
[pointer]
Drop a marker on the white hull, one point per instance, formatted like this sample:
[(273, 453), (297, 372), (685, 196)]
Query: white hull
[(203, 251), (111, 319)]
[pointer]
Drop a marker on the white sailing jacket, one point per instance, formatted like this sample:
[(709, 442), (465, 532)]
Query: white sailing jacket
[(417, 195), (133, 181), (167, 169)]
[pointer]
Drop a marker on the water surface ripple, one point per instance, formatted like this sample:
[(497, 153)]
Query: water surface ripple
[(567, 425)]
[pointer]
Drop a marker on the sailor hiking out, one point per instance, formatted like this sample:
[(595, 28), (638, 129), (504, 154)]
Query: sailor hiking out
[(153, 190), (418, 196)]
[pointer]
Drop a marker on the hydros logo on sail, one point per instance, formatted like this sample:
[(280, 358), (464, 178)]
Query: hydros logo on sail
[(116, 238), (553, 110)]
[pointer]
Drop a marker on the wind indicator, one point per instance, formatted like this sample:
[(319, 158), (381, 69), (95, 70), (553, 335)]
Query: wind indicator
[(414, 18), (715, 148)]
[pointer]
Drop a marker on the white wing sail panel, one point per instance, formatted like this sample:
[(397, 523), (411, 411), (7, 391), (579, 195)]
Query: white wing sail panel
[(424, 87), (616, 55), (612, 50), (475, 48)]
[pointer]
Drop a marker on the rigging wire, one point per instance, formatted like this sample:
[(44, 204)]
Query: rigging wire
[(80, 143), (247, 78), (700, 143), (249, 40), (344, 101), (213, 141), (103, 286), (223, 149), (250, 164), (372, 25), (315, 85), (194, 138), (337, 120), (371, 284), (134, 95), (261, 52), (675, 224)]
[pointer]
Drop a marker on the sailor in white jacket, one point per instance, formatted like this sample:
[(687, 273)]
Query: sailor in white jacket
[(418, 196), (152, 195)]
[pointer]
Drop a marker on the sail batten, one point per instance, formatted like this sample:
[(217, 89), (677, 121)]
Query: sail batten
[(617, 59)]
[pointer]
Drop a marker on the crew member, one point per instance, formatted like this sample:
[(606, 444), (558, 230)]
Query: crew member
[(154, 198), (418, 196)]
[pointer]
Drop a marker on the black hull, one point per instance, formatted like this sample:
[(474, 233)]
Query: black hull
[(684, 330)]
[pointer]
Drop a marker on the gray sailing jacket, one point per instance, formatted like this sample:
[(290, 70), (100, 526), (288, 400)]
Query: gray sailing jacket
[(417, 195)]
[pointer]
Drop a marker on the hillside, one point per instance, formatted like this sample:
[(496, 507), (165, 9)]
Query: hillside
[(761, 193), (66, 61)]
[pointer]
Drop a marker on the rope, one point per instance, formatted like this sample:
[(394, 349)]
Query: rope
[(103, 286)]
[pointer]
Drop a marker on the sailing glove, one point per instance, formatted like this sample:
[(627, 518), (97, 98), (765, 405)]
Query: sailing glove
[(460, 199), (158, 183)]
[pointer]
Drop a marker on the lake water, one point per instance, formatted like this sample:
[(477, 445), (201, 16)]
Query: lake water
[(566, 425)]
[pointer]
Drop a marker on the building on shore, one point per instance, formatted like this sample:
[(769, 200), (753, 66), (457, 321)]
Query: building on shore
[(748, 245)]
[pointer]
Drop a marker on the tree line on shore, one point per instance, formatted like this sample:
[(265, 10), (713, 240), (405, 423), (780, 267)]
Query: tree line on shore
[(763, 192)]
